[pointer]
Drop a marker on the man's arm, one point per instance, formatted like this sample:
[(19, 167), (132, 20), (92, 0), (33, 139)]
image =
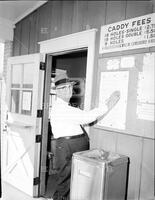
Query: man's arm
[(110, 103), (87, 117)]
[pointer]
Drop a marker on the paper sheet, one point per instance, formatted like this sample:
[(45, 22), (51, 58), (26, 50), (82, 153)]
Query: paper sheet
[(145, 97), (120, 63), (113, 64), (26, 102), (145, 111), (111, 81), (128, 62)]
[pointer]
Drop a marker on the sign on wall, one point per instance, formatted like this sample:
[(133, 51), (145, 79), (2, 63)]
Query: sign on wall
[(129, 34)]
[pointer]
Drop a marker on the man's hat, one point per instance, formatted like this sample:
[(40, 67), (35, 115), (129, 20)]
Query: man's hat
[(61, 79)]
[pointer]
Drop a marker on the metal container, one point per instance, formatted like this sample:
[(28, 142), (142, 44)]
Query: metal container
[(99, 175)]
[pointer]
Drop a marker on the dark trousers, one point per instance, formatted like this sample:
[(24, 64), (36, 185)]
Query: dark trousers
[(64, 151)]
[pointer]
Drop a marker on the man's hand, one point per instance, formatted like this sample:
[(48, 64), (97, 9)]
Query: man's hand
[(112, 100)]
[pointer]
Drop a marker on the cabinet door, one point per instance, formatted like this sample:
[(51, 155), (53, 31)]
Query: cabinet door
[(25, 83)]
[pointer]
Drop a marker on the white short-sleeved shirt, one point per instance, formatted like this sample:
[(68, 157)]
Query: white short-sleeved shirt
[(66, 120)]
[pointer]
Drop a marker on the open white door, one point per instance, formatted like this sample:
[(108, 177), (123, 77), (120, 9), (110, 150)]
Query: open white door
[(25, 82)]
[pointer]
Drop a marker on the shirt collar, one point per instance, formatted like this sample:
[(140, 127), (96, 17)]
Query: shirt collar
[(61, 101)]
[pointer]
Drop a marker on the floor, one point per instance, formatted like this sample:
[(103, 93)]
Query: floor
[(11, 193)]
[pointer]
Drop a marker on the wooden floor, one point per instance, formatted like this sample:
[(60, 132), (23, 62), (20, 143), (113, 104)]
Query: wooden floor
[(11, 193)]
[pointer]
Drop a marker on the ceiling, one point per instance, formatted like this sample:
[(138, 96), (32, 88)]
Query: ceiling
[(16, 10)]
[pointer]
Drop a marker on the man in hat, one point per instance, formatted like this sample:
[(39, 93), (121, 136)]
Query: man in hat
[(66, 122)]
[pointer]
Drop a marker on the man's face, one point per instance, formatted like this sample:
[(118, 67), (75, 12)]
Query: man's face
[(65, 92), (69, 90)]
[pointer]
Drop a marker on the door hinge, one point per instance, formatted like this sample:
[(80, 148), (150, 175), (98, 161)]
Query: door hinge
[(42, 66), (38, 138), (39, 113), (36, 181)]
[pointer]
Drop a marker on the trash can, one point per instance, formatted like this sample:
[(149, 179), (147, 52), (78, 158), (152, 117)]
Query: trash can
[(99, 175)]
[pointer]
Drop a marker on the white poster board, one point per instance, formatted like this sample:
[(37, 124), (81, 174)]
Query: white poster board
[(145, 97), (129, 34), (111, 81)]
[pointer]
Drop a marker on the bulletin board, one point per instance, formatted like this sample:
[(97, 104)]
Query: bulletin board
[(133, 76)]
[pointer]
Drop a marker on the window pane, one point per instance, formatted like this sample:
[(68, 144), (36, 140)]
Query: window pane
[(16, 75), (28, 75), (26, 102), (15, 101)]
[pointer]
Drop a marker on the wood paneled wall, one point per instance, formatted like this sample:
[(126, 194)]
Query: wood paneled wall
[(141, 153), (58, 18)]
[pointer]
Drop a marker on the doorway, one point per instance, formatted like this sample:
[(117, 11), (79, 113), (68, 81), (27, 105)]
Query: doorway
[(74, 63), (55, 49)]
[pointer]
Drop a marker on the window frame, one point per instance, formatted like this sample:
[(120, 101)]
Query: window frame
[(21, 89)]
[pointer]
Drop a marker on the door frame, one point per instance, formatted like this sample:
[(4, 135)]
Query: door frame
[(68, 43)]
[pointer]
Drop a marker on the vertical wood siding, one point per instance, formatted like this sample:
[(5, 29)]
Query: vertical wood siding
[(58, 18), (79, 16), (25, 32), (17, 40), (67, 17), (138, 8), (147, 173), (44, 21), (96, 13), (115, 11), (33, 46)]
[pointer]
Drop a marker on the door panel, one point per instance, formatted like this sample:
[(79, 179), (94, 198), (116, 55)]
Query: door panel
[(20, 158), (24, 97)]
